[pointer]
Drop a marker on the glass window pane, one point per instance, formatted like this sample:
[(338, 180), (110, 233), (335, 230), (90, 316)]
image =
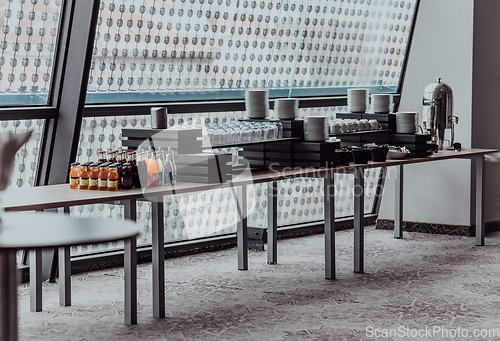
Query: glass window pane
[(27, 158), (178, 51), (27, 50)]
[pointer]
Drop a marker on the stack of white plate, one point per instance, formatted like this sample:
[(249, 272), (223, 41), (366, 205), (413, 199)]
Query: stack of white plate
[(406, 122), (356, 99), (257, 103), (316, 128), (381, 103), (286, 108)]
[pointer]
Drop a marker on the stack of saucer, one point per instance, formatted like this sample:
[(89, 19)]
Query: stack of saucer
[(286, 108), (356, 100), (316, 129), (406, 122), (257, 103), (381, 103)]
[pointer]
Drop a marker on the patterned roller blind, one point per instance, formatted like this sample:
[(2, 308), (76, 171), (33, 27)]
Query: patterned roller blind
[(27, 45), (153, 50)]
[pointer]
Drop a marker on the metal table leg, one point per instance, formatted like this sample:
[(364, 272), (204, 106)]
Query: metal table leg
[(35, 263), (359, 205), (130, 265), (8, 295), (65, 273), (398, 209), (480, 183), (329, 194), (158, 255), (272, 222), (36, 280), (242, 232), (64, 276)]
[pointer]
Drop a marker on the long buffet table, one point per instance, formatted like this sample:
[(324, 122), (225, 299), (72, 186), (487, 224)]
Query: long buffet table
[(60, 196)]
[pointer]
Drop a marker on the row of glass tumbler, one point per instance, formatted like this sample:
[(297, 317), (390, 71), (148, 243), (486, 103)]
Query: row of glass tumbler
[(125, 170), (236, 132)]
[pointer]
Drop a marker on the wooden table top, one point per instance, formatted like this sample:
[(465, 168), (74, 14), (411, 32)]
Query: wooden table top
[(45, 197), (41, 230)]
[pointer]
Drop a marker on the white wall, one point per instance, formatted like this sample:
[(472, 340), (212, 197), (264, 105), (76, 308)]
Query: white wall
[(442, 47), (486, 95)]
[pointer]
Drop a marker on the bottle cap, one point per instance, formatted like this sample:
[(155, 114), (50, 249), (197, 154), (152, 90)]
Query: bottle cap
[(170, 148), (160, 148)]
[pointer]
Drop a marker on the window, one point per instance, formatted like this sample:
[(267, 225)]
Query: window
[(27, 47), (28, 156), (180, 50)]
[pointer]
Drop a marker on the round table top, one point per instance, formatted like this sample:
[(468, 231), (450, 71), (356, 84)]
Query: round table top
[(41, 230), (492, 157)]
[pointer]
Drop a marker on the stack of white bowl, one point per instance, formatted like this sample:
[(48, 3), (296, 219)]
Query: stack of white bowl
[(381, 103), (406, 122), (286, 108), (356, 100), (257, 103), (316, 128)]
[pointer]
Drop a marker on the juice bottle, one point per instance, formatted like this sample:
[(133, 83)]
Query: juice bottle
[(147, 158), (84, 177), (142, 170), (167, 170), (159, 161), (74, 175), (103, 177), (102, 157), (126, 177), (153, 168), (170, 151), (113, 178), (94, 176), (135, 173)]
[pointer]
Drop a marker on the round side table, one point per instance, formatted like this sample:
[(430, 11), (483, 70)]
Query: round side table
[(48, 230)]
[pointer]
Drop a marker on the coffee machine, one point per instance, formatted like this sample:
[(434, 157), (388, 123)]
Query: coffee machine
[(438, 112)]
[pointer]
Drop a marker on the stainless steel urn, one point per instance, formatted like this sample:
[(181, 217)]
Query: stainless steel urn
[(437, 114)]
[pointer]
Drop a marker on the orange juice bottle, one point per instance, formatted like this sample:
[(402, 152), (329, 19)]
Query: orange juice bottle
[(94, 176), (74, 175), (113, 178), (103, 177), (152, 167), (84, 177)]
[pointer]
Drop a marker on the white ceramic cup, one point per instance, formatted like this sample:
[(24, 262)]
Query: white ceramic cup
[(375, 125), (336, 129), (350, 127), (344, 126), (357, 126), (366, 124), (159, 118)]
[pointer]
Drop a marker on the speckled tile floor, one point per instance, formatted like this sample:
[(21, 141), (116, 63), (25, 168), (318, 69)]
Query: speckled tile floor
[(422, 281)]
